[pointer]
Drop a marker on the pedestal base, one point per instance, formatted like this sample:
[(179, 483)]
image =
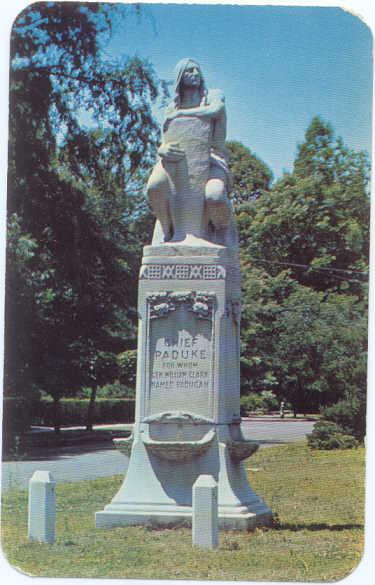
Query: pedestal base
[(179, 517), (158, 491), (188, 393)]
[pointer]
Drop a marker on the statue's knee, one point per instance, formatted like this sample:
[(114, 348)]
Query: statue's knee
[(157, 186), (154, 183), (215, 192), (217, 202)]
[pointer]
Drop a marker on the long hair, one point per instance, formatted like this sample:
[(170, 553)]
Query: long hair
[(179, 71)]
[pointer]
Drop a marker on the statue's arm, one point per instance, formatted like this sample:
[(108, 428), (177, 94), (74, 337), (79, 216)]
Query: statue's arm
[(169, 151), (214, 108)]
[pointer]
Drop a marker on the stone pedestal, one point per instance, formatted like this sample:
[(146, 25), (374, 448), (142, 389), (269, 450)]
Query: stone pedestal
[(42, 507), (205, 518), (188, 393)]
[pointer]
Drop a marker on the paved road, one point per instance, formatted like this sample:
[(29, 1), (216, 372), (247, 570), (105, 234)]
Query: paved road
[(76, 463)]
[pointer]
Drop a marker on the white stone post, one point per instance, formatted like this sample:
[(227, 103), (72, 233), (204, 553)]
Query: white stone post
[(205, 512), (42, 507)]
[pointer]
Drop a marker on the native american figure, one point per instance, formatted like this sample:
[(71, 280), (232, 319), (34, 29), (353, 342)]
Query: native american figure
[(189, 185)]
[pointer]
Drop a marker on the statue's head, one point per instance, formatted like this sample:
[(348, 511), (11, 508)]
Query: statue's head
[(188, 74)]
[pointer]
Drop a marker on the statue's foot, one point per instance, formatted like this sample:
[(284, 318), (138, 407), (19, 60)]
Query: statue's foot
[(194, 241), (161, 235)]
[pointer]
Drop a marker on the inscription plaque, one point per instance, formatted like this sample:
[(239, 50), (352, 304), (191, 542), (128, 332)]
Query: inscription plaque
[(180, 371)]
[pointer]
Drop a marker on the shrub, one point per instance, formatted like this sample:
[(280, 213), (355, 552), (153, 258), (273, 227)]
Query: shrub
[(116, 390), (328, 435), (73, 411), (350, 415), (113, 390), (269, 400), (266, 401), (249, 403), (127, 366)]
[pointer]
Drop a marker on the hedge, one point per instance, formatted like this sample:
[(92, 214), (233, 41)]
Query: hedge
[(73, 411), (17, 417)]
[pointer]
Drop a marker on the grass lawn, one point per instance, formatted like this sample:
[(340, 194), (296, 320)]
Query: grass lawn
[(318, 497)]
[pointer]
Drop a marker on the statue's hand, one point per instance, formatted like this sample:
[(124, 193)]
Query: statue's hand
[(171, 114), (170, 151)]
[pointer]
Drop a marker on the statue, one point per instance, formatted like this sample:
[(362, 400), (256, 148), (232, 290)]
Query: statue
[(189, 185), (187, 415)]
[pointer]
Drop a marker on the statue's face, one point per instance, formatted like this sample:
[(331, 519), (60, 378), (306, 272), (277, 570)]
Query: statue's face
[(192, 75)]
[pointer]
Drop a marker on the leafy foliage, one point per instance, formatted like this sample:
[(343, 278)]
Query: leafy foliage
[(309, 348), (250, 175), (266, 401), (304, 255), (73, 411), (127, 364), (314, 221), (328, 435), (349, 414), (72, 246)]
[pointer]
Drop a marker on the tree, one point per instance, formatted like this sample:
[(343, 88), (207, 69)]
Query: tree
[(250, 175), (262, 298), (307, 347), (315, 221), (304, 255), (319, 348), (70, 304)]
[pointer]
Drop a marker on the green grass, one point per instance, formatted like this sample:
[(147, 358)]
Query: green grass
[(318, 498)]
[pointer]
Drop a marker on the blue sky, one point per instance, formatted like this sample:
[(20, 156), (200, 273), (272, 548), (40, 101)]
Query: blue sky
[(278, 67)]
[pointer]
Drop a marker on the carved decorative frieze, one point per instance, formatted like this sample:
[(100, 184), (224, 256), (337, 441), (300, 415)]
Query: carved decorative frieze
[(182, 272), (161, 305), (199, 303), (177, 416)]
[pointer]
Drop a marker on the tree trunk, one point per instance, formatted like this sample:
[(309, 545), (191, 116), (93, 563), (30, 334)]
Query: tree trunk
[(91, 410), (56, 413)]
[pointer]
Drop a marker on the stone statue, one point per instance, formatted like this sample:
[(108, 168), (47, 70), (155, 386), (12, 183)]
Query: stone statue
[(189, 185), (187, 415)]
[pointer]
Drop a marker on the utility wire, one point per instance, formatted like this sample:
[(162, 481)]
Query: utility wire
[(309, 267)]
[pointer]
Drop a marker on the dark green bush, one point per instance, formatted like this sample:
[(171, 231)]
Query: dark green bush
[(270, 401), (350, 415), (116, 390), (127, 367), (17, 417), (266, 401), (74, 411), (249, 403), (328, 435), (113, 390)]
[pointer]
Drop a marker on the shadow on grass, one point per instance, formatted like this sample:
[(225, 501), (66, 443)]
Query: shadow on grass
[(48, 446), (55, 453), (316, 527), (270, 442)]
